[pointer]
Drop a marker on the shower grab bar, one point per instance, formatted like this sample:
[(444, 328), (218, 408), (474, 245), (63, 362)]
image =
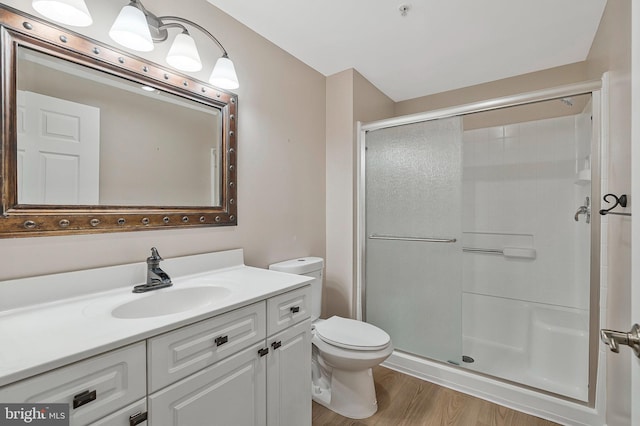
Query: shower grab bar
[(518, 252), (418, 239)]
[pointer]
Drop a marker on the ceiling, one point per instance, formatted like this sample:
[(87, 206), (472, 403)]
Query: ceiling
[(438, 45)]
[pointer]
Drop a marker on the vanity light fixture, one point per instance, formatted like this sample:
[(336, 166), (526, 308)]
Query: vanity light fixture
[(138, 29)]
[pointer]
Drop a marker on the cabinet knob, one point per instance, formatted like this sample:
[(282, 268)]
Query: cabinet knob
[(84, 398)]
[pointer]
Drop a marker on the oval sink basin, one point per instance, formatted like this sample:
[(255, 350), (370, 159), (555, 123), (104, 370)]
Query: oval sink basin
[(170, 302)]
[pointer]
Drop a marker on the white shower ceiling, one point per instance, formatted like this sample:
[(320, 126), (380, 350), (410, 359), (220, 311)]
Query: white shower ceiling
[(439, 45)]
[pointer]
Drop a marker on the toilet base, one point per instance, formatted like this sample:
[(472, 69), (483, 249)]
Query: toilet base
[(351, 394)]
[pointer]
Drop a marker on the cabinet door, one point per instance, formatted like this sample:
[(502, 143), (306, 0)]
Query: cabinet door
[(231, 392), (289, 377)]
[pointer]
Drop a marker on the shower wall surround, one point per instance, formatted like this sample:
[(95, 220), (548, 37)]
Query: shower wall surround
[(526, 319)]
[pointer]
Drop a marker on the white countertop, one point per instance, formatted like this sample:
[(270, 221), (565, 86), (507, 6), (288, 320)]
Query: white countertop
[(36, 338)]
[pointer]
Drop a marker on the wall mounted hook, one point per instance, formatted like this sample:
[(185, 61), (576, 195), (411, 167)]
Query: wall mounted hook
[(619, 201)]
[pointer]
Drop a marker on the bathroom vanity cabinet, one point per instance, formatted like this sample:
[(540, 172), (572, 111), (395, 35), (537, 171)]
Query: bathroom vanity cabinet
[(249, 366)]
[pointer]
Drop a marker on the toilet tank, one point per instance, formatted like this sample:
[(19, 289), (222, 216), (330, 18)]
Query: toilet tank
[(309, 267)]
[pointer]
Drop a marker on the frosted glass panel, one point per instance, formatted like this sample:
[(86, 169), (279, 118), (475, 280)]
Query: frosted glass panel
[(413, 189)]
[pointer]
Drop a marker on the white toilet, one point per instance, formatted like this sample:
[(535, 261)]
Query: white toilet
[(343, 352)]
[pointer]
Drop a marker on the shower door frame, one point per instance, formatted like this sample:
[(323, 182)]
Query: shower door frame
[(597, 90)]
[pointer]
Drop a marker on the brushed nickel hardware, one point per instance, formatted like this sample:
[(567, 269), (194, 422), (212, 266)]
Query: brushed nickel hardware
[(614, 339), (585, 210)]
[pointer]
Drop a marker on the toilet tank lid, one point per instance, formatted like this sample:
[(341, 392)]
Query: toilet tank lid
[(301, 265)]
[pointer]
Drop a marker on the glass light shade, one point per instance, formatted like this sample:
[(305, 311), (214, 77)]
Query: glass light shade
[(183, 54), (224, 74), (68, 12), (131, 30)]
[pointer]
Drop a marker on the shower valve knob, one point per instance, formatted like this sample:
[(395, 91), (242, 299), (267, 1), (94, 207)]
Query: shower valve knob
[(614, 339)]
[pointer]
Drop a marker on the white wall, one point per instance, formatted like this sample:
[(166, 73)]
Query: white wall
[(281, 160)]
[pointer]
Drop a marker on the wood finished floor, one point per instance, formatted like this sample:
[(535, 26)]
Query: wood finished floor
[(406, 401)]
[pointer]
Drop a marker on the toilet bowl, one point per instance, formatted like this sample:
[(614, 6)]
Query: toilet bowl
[(343, 354), (343, 351)]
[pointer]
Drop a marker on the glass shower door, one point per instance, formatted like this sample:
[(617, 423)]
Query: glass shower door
[(413, 228)]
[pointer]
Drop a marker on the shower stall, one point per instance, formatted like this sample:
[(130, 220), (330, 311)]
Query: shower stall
[(479, 240)]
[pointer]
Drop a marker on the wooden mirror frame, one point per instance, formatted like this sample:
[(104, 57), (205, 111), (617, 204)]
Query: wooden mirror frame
[(27, 220)]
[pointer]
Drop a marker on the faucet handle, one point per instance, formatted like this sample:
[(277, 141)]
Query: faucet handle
[(155, 255)]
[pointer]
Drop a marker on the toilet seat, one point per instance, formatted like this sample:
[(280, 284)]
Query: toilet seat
[(352, 334)]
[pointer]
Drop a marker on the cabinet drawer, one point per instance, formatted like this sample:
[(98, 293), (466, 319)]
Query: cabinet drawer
[(123, 417), (108, 382), (175, 355), (288, 309)]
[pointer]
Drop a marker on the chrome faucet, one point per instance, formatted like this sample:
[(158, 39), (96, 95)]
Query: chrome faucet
[(585, 210), (156, 277)]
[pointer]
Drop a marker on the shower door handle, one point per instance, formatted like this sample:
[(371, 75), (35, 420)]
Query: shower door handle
[(407, 238), (614, 339)]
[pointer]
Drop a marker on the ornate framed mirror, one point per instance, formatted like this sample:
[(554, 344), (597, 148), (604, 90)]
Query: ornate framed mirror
[(97, 140)]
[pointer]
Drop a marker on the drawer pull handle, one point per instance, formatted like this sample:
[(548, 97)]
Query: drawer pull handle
[(137, 418), (276, 345), (221, 340), (295, 309), (84, 398), (262, 352)]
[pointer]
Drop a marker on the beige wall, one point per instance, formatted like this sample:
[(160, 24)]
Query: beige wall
[(281, 161), (611, 51), (350, 98), (544, 79)]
